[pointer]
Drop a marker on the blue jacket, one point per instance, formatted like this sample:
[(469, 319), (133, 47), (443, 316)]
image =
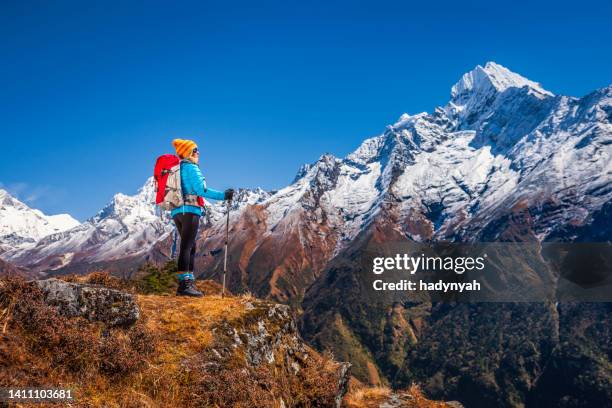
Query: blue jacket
[(193, 182)]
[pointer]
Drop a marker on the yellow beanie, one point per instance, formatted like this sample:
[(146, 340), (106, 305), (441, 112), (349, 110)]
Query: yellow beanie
[(183, 147)]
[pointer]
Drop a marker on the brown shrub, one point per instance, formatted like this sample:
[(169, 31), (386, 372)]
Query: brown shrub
[(230, 383), (67, 342), (132, 367), (106, 279), (73, 344), (103, 278), (123, 352), (73, 277), (237, 387), (315, 385)]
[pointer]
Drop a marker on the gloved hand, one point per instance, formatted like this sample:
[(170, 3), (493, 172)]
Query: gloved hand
[(229, 194)]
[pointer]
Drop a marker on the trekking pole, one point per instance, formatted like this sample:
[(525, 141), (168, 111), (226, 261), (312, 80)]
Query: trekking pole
[(226, 240)]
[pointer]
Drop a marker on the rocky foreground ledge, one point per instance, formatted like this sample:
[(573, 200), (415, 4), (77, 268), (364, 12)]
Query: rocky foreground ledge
[(120, 349), (114, 346)]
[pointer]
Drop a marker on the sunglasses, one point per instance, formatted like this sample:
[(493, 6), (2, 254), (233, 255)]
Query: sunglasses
[(195, 151)]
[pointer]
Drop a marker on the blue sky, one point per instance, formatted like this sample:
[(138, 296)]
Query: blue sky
[(93, 92)]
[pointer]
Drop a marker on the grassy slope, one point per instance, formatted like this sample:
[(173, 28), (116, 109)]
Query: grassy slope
[(170, 358)]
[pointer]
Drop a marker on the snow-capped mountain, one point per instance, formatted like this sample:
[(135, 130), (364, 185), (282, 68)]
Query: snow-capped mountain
[(127, 231), (124, 228), (242, 198), (21, 226), (502, 142), (504, 160)]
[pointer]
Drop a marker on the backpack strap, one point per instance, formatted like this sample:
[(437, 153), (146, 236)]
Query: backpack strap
[(191, 199)]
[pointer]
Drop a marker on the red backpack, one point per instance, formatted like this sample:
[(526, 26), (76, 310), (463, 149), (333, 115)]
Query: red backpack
[(167, 174)]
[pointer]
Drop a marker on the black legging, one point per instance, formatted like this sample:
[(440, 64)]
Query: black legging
[(187, 226)]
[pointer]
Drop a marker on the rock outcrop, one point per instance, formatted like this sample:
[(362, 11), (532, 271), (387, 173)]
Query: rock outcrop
[(93, 302), (267, 334)]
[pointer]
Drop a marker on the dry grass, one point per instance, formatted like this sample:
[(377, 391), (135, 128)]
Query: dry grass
[(367, 397), (248, 297), (182, 328), (184, 325), (162, 361), (360, 396)]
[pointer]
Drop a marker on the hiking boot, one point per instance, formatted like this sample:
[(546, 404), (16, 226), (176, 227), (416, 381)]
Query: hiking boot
[(187, 287)]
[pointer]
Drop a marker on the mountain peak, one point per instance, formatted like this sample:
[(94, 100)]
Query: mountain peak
[(492, 76), (9, 199), (22, 226)]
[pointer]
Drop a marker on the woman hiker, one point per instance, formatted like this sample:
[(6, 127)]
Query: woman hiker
[(187, 217)]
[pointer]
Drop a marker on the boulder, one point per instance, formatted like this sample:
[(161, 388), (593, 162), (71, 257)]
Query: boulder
[(93, 302)]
